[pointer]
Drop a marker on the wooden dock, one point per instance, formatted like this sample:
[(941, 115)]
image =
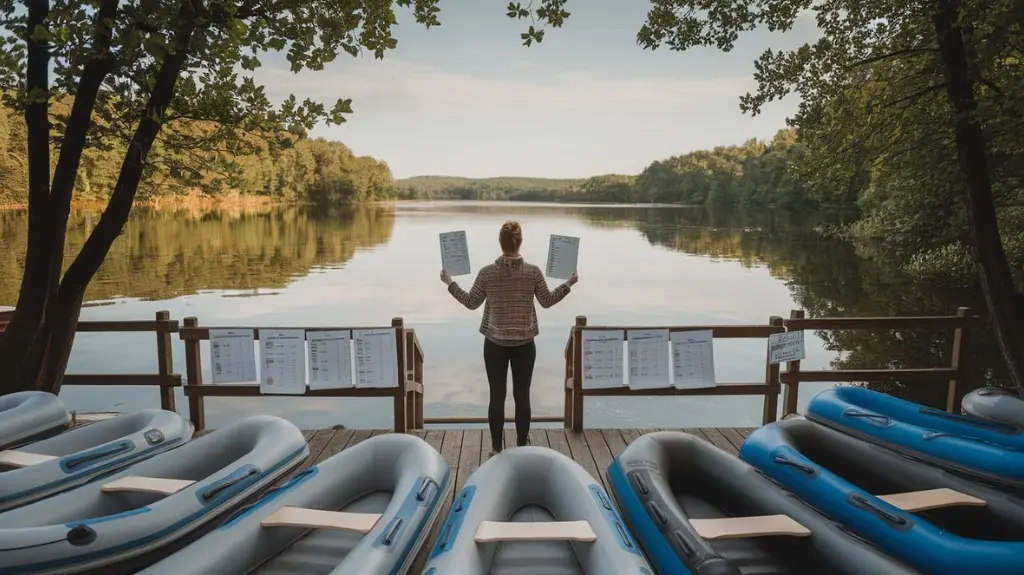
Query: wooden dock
[(466, 449)]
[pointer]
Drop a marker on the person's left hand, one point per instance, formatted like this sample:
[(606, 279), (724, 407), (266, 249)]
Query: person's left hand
[(447, 279)]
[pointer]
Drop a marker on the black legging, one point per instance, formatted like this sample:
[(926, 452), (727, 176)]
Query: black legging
[(496, 361)]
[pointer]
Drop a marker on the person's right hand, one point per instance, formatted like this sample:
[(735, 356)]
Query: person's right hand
[(575, 277), (445, 278)]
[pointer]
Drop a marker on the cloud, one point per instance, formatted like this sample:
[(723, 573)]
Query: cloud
[(388, 81)]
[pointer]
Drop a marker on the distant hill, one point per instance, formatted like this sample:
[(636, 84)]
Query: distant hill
[(499, 188)]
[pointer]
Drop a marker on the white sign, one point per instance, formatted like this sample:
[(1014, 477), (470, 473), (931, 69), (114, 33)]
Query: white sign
[(234, 360), (563, 254), (602, 359), (786, 346), (330, 359), (693, 359), (376, 357), (283, 361), (455, 253), (649, 364)]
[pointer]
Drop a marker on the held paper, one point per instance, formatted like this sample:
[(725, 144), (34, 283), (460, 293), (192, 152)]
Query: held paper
[(648, 358), (563, 254), (602, 359), (376, 357), (234, 360), (693, 359), (330, 359), (283, 361), (786, 346), (455, 253)]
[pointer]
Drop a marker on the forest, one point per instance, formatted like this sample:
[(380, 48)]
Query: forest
[(282, 165)]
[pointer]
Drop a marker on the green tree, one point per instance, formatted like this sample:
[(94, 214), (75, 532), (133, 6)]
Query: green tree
[(958, 44)]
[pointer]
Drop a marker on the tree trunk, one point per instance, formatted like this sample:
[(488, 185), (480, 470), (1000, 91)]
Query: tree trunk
[(997, 285), (23, 331)]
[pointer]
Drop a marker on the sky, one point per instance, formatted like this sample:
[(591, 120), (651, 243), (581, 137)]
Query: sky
[(468, 99)]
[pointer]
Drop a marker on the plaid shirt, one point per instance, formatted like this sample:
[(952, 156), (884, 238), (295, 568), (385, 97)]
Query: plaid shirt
[(507, 288)]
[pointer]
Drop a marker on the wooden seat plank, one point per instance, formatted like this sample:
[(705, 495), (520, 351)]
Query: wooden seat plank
[(493, 531), (913, 501), (14, 458), (755, 526), (287, 516), (157, 485)]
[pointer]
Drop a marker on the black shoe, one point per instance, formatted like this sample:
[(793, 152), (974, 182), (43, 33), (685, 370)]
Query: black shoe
[(528, 442)]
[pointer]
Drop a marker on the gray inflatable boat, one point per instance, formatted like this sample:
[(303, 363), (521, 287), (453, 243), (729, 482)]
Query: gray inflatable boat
[(534, 511), (30, 415), (994, 404), (123, 522), (364, 511), (697, 509), (40, 469)]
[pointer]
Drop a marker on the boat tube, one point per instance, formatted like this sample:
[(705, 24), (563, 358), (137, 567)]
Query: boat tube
[(995, 404), (935, 520), (984, 449), (532, 511), (367, 509), (59, 463), (698, 510), (29, 415), (122, 522)]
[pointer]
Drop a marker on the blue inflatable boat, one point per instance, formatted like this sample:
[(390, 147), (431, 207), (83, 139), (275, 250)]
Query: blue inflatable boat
[(939, 522), (984, 449)]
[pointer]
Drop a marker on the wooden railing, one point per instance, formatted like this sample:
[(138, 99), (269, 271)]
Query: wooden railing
[(163, 326), (407, 395), (791, 378), (575, 392)]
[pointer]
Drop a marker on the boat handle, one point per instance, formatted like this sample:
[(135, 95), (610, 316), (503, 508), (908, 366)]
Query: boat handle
[(214, 491), (443, 540), (389, 535), (783, 460), (82, 460), (930, 435), (885, 420), (1001, 427), (421, 493), (859, 501)]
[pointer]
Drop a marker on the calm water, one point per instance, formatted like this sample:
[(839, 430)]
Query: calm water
[(638, 266)]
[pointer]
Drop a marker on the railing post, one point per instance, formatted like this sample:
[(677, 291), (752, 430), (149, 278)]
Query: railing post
[(771, 377), (791, 391), (577, 373), (401, 411), (194, 373), (411, 397), (165, 359), (956, 357), (418, 376), (567, 383)]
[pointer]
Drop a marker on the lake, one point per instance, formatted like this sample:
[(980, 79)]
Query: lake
[(639, 265)]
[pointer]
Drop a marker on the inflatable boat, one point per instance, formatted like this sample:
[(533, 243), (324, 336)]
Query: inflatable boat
[(984, 449), (122, 522), (534, 511), (995, 404), (698, 510), (366, 510), (28, 415), (59, 463), (935, 520)]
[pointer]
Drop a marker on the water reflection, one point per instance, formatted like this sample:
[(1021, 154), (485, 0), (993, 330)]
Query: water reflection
[(639, 265)]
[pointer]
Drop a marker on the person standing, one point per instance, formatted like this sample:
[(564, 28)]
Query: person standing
[(507, 289)]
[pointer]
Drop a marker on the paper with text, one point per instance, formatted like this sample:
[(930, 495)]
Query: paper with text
[(563, 255), (234, 360), (330, 359), (786, 346), (283, 361), (693, 359), (602, 359), (649, 364), (455, 253), (376, 357)]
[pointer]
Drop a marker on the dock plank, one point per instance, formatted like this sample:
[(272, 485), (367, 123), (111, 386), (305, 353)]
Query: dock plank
[(451, 449), (718, 440), (733, 436), (581, 453), (556, 439), (613, 437), (335, 445), (469, 456), (600, 451), (539, 438), (745, 431), (630, 435)]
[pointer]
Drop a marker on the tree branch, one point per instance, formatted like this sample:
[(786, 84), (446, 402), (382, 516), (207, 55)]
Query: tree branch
[(916, 95), (896, 54)]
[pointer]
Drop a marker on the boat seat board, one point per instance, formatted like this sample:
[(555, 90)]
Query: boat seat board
[(320, 519), (157, 485), (912, 501), (754, 526), (494, 531), (14, 458)]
